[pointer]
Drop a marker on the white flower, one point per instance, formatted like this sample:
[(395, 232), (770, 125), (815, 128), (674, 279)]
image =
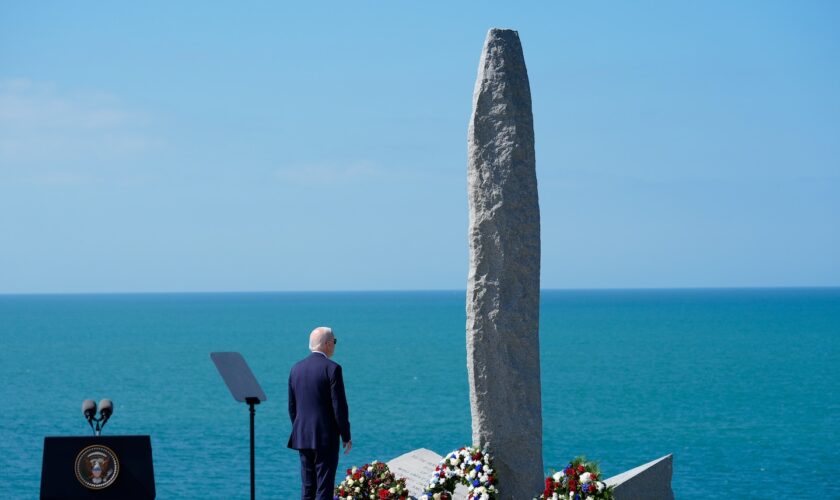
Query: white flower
[(600, 486), (558, 476), (585, 477), (571, 495), (473, 474), (454, 461), (392, 490)]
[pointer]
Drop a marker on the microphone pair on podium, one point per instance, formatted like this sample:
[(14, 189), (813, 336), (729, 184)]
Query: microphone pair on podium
[(106, 409)]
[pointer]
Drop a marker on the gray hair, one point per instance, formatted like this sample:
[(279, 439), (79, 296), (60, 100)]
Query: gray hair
[(319, 337)]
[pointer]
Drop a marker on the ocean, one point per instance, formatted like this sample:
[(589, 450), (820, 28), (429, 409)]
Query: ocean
[(740, 385)]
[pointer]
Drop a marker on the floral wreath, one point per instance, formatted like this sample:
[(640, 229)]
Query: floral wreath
[(371, 481), (469, 466), (579, 480)]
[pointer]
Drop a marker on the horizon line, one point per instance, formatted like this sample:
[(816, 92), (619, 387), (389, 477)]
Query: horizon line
[(428, 290)]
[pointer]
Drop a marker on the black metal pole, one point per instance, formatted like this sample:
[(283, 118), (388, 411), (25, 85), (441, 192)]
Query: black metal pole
[(251, 402)]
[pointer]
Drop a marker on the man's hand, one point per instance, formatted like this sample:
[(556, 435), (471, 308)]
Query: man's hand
[(347, 446)]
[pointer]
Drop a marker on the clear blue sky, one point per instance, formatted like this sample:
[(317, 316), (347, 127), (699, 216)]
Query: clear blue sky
[(189, 146)]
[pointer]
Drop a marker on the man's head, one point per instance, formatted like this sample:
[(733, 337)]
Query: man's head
[(322, 340)]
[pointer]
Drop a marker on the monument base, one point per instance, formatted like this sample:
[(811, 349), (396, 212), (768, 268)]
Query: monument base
[(651, 481)]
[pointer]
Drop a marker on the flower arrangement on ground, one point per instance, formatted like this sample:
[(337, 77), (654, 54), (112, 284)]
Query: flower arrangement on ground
[(469, 466), (373, 481), (579, 480)]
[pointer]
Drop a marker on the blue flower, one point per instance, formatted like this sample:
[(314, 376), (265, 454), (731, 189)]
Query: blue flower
[(476, 483), (478, 467)]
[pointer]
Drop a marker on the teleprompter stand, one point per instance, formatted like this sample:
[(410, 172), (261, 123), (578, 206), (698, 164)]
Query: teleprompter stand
[(243, 387)]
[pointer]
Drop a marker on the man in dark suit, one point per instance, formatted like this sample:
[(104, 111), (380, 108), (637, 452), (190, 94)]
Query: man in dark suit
[(318, 409)]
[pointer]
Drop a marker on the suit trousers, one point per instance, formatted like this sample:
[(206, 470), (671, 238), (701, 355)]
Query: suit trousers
[(317, 473)]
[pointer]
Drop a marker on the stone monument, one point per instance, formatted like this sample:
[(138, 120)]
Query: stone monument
[(503, 288), (503, 293)]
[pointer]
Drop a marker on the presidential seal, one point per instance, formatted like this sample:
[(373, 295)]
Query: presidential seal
[(97, 467)]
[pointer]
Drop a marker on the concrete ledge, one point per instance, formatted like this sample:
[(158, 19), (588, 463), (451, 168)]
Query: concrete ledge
[(651, 481)]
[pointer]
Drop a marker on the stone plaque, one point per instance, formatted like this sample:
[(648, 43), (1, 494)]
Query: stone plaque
[(417, 468)]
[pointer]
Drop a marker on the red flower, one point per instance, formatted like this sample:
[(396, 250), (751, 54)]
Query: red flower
[(383, 494), (580, 469), (572, 485)]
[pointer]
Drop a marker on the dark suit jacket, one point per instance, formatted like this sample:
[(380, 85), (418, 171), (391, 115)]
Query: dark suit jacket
[(317, 404)]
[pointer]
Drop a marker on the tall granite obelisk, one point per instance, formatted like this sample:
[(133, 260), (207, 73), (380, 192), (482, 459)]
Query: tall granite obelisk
[(503, 288)]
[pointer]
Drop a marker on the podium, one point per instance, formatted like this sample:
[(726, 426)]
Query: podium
[(101, 468)]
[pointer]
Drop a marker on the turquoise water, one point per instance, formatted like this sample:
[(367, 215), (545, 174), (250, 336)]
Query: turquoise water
[(741, 385)]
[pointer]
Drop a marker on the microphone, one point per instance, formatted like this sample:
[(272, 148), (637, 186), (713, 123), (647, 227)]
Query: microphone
[(106, 409), (89, 409)]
